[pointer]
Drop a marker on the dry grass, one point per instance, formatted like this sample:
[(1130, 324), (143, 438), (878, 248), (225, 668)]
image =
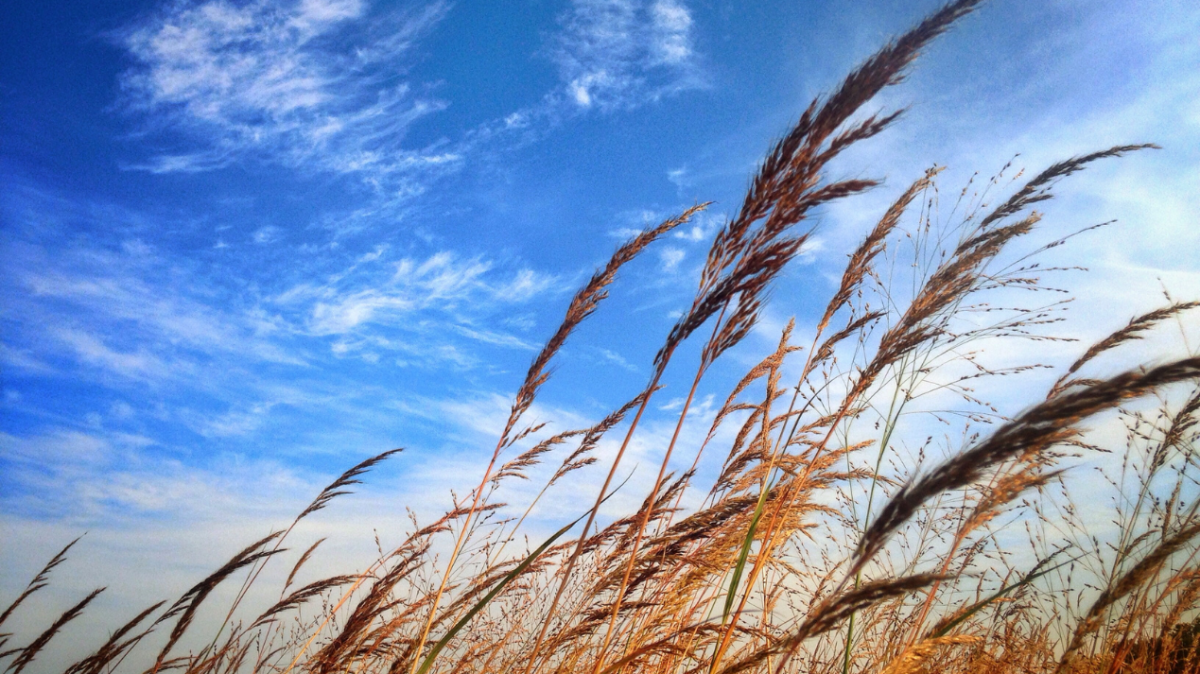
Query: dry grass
[(832, 539)]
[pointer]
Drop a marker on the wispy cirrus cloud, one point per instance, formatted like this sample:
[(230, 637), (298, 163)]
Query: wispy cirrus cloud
[(110, 474), (670, 258), (117, 316), (619, 53), (313, 83), (429, 301), (128, 311), (94, 352)]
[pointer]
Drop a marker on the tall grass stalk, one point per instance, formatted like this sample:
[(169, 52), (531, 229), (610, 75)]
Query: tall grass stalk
[(870, 509)]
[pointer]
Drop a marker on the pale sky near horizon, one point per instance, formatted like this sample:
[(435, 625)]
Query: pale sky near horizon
[(247, 244)]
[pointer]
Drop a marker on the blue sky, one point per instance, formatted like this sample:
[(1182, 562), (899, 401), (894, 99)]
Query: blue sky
[(246, 244)]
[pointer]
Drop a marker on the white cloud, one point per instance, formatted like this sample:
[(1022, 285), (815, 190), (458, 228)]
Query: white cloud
[(112, 292), (618, 359), (344, 313), (701, 227), (266, 234), (671, 25), (426, 300), (92, 350), (242, 421), (439, 281), (525, 285), (121, 410), (670, 258), (231, 361), (620, 53), (99, 476), (680, 177), (493, 337), (23, 359), (61, 446), (309, 83)]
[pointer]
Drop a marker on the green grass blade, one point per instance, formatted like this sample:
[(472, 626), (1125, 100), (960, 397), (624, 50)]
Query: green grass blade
[(437, 648), (490, 595), (740, 567)]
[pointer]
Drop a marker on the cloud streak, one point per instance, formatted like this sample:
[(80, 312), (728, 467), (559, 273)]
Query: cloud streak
[(309, 83), (442, 292), (614, 54), (211, 353)]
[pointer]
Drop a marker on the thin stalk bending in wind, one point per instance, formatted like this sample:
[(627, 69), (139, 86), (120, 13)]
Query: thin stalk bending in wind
[(583, 304)]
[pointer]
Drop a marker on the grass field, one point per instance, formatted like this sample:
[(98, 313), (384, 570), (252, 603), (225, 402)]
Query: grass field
[(872, 511)]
